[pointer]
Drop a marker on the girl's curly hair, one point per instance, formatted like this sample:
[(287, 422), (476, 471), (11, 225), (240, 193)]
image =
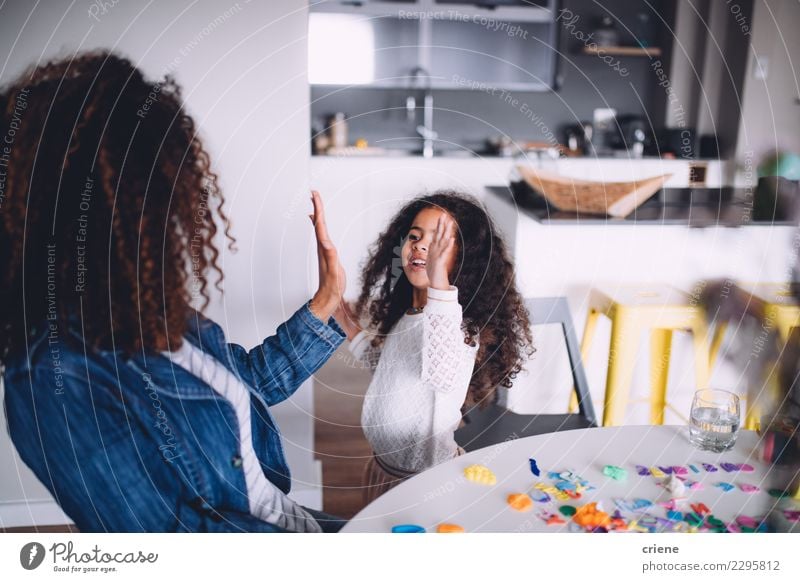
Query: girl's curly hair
[(494, 310), (108, 212)]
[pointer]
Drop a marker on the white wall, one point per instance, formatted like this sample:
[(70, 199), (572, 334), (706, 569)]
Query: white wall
[(770, 106), (242, 66)]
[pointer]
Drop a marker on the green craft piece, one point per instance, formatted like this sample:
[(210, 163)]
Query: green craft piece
[(692, 518), (778, 493), (713, 521), (748, 529), (567, 510), (616, 473)]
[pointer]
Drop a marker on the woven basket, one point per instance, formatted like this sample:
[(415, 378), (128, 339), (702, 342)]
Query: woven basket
[(617, 199)]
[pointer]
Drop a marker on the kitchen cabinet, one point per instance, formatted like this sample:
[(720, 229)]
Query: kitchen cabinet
[(437, 44)]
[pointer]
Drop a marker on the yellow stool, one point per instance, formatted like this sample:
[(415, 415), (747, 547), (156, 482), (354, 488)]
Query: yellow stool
[(780, 311), (633, 310)]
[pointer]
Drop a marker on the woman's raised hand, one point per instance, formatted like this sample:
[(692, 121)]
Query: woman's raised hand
[(332, 279), (440, 252)]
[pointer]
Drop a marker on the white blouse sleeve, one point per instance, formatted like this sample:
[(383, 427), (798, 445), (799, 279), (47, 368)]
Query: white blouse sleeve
[(363, 351), (447, 362)]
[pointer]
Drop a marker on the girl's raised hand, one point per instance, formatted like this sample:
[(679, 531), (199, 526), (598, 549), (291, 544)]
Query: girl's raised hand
[(440, 252), (332, 280)]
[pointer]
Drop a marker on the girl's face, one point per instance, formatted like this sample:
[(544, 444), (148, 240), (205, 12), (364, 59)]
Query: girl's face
[(416, 245)]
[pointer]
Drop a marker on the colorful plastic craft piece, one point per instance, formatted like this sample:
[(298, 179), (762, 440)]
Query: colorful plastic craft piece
[(725, 486), (675, 515), (539, 496), (700, 508), (642, 471), (656, 472), (778, 493), (480, 474), (408, 528), (449, 528), (633, 505), (791, 515), (567, 510), (520, 502), (747, 488), (674, 485), (590, 516), (550, 518), (709, 468), (673, 503), (616, 473), (534, 469)]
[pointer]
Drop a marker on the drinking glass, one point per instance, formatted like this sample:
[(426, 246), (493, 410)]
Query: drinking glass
[(715, 420)]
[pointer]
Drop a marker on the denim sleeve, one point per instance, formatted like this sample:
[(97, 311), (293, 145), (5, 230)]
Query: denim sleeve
[(301, 345), (101, 462)]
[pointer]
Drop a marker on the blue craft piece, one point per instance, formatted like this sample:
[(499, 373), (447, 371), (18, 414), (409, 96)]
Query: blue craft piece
[(633, 505), (675, 515), (729, 467), (666, 470), (539, 496), (553, 475), (693, 468), (408, 528), (534, 469), (566, 486), (709, 468), (725, 486), (649, 522), (642, 471)]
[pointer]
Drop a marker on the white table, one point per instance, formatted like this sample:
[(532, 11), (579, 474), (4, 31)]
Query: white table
[(443, 495)]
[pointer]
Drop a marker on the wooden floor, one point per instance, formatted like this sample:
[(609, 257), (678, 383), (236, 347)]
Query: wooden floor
[(339, 442)]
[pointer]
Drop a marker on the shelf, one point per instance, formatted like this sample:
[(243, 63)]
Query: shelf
[(623, 51)]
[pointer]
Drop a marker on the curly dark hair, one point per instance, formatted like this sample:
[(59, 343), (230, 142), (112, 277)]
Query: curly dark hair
[(109, 206), (494, 311)]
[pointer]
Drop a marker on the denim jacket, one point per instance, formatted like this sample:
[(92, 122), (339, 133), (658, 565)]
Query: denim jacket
[(137, 443)]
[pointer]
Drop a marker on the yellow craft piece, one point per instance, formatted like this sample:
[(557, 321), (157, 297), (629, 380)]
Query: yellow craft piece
[(449, 528), (480, 474), (552, 490), (656, 472), (520, 501)]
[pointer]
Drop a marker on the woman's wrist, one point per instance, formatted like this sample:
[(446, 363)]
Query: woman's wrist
[(323, 306)]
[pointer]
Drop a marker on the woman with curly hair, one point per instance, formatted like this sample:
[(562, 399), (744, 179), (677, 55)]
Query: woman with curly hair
[(446, 326), (126, 402)]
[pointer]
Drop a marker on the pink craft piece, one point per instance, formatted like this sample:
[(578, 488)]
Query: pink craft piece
[(672, 504), (791, 515), (747, 488), (746, 521), (747, 468)]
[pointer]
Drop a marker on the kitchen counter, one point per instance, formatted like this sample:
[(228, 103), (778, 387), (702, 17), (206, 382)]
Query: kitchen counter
[(663, 208), (559, 255)]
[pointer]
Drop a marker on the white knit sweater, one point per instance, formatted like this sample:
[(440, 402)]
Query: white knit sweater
[(420, 380)]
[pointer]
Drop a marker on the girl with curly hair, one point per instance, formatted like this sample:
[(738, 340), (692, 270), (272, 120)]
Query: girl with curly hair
[(445, 327)]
